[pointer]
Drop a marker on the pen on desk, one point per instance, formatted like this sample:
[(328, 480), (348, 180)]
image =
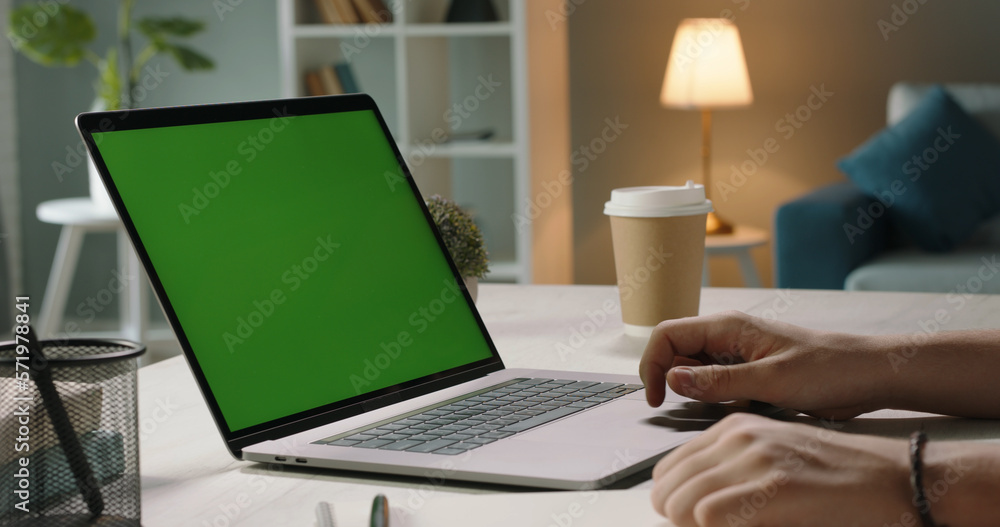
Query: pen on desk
[(324, 515), (380, 511)]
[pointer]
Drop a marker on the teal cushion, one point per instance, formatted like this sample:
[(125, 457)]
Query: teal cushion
[(936, 173)]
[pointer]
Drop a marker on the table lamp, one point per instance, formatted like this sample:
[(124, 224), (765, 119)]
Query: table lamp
[(706, 70)]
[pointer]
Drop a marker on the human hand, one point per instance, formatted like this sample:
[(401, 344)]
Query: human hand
[(732, 356), (749, 470)]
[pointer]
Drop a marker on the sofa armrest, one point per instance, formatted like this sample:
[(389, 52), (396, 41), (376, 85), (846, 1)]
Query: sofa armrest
[(822, 236), (986, 235)]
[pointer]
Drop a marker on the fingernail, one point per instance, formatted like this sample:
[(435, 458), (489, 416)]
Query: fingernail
[(686, 377)]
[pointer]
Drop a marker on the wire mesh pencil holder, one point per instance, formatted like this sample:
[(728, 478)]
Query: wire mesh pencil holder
[(69, 441)]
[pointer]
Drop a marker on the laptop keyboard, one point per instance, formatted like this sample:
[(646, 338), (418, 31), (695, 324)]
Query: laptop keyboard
[(482, 417)]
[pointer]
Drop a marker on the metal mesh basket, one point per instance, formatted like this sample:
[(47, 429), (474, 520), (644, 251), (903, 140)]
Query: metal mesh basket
[(78, 465)]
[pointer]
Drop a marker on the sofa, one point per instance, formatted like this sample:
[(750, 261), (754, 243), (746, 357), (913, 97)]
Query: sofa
[(842, 237)]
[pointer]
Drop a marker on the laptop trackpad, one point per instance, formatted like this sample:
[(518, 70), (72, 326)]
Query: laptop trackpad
[(623, 423)]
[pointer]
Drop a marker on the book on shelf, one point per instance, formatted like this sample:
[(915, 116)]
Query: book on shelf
[(331, 80), (373, 11), (331, 84), (314, 86), (328, 12), (345, 8), (346, 76), (353, 11)]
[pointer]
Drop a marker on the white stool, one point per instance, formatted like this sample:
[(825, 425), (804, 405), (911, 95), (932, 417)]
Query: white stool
[(79, 216), (737, 244)]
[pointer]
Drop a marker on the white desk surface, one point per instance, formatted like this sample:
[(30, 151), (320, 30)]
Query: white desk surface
[(188, 477)]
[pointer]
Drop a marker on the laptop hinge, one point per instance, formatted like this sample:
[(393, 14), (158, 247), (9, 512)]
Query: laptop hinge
[(385, 400)]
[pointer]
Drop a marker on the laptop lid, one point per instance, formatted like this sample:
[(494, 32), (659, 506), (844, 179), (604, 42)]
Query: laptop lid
[(293, 256)]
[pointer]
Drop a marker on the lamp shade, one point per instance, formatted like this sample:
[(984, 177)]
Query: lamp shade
[(706, 68)]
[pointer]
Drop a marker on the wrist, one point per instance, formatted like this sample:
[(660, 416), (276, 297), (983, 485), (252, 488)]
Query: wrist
[(890, 372), (868, 364), (960, 483)]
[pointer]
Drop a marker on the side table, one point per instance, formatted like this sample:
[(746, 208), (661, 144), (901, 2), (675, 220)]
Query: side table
[(78, 217), (737, 244)]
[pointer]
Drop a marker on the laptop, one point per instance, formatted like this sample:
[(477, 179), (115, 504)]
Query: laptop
[(319, 310)]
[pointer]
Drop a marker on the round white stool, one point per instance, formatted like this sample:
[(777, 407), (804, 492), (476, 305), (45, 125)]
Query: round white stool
[(737, 244), (80, 216)]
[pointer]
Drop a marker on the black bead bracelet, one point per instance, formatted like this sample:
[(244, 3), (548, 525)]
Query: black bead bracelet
[(917, 441)]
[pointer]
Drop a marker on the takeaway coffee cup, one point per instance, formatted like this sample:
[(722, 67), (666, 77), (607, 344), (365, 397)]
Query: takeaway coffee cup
[(658, 235)]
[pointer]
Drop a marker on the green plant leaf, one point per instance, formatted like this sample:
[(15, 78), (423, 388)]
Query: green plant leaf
[(51, 34), (188, 58), (109, 84), (158, 28)]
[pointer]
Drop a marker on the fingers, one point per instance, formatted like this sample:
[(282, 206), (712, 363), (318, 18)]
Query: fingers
[(683, 338), (670, 479), (713, 498), (752, 471), (707, 499), (693, 485), (708, 438), (692, 447), (728, 505), (717, 383), (677, 499), (686, 361)]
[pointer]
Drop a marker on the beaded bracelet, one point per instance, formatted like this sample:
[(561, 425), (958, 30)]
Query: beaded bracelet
[(917, 441)]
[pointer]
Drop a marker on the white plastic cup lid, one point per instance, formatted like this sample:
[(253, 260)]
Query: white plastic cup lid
[(658, 202)]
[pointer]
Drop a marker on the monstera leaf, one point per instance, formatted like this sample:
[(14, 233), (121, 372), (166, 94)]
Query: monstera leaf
[(188, 58), (157, 28), (51, 35)]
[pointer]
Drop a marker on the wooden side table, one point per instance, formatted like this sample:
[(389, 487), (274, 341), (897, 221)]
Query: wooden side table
[(78, 217), (737, 244)]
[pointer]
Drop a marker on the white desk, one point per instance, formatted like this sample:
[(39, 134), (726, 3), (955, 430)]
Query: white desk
[(189, 478)]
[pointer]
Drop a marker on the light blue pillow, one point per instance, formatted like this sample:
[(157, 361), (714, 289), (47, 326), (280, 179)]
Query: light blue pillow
[(936, 172)]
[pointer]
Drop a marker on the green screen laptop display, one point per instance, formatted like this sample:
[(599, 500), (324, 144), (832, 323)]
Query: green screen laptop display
[(296, 258)]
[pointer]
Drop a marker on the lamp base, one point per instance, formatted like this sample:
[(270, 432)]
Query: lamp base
[(716, 225)]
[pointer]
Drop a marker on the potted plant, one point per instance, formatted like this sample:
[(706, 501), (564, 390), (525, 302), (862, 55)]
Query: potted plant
[(57, 34), (463, 239)]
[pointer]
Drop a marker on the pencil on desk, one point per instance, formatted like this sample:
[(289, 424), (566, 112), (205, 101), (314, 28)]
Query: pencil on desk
[(380, 511), (324, 514)]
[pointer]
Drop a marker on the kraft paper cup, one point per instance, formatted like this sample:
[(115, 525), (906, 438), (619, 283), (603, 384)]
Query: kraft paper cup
[(658, 234)]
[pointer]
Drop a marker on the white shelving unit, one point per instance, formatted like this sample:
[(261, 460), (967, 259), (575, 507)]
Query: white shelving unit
[(431, 78)]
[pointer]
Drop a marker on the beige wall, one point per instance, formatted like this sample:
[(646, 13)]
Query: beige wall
[(618, 52)]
